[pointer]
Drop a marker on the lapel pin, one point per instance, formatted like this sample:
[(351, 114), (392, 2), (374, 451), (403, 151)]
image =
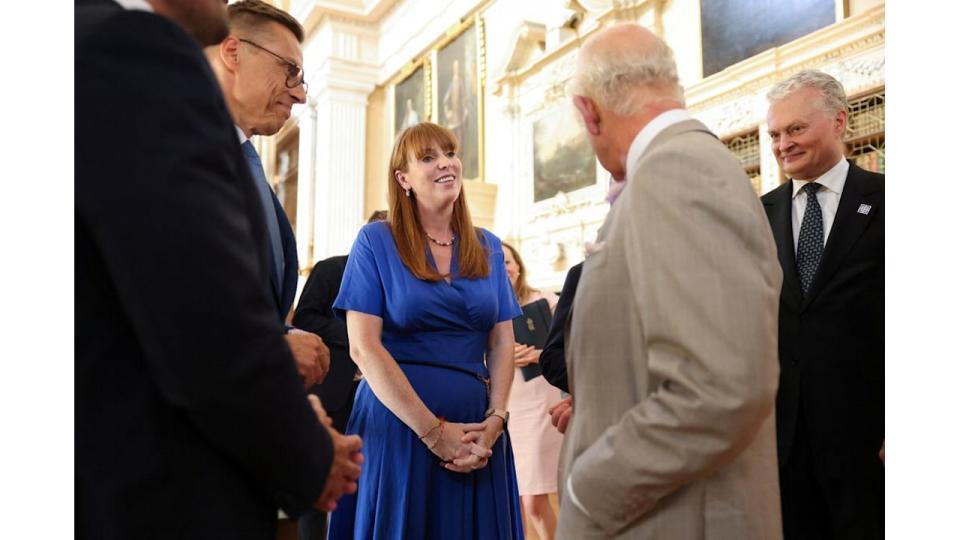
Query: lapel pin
[(864, 209)]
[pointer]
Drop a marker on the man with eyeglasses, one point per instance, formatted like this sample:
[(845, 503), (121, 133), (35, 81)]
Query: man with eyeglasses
[(190, 418), (259, 69)]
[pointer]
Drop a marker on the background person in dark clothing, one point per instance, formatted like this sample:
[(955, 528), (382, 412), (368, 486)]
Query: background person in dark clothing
[(314, 314)]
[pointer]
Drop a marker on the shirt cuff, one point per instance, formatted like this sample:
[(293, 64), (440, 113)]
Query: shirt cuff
[(573, 496)]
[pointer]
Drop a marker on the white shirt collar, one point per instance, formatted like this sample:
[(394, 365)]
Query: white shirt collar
[(141, 5), (646, 135), (833, 180), (243, 137)]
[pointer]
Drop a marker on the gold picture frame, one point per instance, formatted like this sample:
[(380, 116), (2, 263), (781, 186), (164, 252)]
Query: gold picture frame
[(459, 62), (410, 95), (454, 80)]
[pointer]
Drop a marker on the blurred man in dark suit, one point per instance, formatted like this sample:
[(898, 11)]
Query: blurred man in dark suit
[(315, 314), (191, 419), (828, 225)]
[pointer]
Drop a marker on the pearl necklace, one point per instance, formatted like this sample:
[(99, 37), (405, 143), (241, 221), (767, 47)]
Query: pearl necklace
[(439, 243)]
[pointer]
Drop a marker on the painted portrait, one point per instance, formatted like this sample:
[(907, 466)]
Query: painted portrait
[(734, 30), (562, 157), (409, 102), (458, 88)]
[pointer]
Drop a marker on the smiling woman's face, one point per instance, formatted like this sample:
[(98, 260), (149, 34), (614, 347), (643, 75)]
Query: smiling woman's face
[(434, 176)]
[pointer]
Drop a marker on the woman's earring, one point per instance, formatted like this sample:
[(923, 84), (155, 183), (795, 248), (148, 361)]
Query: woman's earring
[(408, 192)]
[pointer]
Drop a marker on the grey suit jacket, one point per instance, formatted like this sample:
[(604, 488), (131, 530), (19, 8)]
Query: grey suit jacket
[(673, 356)]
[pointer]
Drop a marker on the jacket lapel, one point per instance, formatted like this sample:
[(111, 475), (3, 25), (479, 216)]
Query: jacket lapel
[(780, 212), (287, 284), (847, 227)]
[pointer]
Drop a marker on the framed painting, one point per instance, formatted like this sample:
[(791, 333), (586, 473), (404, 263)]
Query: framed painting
[(562, 157), (459, 94), (734, 30), (410, 100)]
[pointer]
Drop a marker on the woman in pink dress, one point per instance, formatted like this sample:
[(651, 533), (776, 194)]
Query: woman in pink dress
[(536, 443)]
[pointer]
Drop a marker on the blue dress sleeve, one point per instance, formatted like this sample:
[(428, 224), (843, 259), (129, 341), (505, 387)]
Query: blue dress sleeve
[(361, 288), (508, 307)]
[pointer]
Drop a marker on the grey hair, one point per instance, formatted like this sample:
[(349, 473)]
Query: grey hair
[(610, 76), (832, 96)]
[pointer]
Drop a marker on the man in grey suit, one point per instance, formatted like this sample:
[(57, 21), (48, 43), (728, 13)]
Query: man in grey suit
[(673, 339)]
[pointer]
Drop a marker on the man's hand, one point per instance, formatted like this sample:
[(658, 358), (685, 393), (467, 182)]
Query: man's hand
[(561, 413), (312, 356), (345, 469), (318, 409)]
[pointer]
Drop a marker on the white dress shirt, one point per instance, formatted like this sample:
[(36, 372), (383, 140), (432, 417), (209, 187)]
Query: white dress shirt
[(141, 5), (646, 135), (828, 196)]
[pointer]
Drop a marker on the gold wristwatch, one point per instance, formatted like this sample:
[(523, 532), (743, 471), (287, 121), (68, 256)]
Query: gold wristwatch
[(499, 413)]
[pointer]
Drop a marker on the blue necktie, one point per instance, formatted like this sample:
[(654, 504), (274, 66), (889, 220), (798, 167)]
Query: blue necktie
[(269, 211), (810, 244)]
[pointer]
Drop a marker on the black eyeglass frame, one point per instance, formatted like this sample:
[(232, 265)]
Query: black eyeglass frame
[(298, 79)]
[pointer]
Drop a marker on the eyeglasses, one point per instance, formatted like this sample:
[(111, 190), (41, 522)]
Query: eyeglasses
[(294, 72)]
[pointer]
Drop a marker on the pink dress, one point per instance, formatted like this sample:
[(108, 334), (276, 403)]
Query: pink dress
[(536, 443)]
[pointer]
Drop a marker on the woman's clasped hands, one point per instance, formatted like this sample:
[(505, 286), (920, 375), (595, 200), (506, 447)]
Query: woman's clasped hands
[(464, 448)]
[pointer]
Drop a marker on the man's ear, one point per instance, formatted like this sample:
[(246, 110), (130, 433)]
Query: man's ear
[(840, 122), (229, 51), (589, 113)]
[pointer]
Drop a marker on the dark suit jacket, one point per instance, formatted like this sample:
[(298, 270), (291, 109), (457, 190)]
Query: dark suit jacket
[(831, 341), (288, 285), (552, 360), (191, 421), (315, 314)]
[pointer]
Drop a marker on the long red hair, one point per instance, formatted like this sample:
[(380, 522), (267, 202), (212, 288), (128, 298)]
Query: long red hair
[(408, 234)]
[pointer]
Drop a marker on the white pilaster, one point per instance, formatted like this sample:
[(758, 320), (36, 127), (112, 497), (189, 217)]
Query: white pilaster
[(339, 88), (306, 166)]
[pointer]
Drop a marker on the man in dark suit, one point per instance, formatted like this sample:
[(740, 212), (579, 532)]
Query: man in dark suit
[(552, 360), (259, 67), (315, 314), (190, 418), (828, 225)]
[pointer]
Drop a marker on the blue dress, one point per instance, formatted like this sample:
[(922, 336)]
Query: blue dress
[(403, 492)]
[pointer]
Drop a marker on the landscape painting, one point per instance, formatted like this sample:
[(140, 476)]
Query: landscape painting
[(562, 157)]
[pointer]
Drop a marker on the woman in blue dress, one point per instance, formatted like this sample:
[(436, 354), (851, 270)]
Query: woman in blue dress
[(429, 308)]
